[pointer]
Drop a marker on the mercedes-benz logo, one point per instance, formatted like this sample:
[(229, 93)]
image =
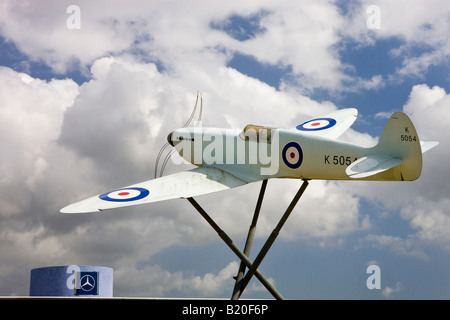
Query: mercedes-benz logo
[(87, 282)]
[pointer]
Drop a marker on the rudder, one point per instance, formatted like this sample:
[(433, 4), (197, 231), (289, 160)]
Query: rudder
[(401, 141)]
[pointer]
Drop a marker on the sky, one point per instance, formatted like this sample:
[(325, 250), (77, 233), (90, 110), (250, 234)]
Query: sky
[(89, 91)]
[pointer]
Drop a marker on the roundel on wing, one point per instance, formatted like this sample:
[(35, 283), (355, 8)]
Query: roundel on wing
[(317, 124), (292, 155), (125, 194)]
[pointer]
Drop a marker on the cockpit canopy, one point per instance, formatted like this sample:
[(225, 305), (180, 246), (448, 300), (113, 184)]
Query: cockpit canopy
[(256, 133)]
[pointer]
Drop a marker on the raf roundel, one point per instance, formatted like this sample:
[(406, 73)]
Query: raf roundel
[(125, 194), (316, 124), (292, 155)]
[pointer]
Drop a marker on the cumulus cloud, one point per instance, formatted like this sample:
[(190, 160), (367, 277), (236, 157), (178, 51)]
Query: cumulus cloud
[(311, 55), (313, 34), (30, 120), (47, 37), (407, 247), (154, 281), (421, 31), (187, 37), (325, 213), (31, 113), (431, 219)]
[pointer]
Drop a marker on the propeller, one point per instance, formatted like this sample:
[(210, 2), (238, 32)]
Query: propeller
[(172, 150)]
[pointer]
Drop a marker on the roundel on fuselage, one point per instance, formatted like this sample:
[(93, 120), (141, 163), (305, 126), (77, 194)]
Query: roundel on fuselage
[(292, 155)]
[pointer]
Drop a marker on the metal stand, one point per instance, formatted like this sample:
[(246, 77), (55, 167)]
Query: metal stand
[(241, 280), (248, 243), (235, 249)]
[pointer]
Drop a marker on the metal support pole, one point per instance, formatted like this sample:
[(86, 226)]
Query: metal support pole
[(236, 250), (249, 242), (272, 237)]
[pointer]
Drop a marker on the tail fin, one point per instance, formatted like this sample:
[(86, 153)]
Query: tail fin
[(398, 155), (400, 140)]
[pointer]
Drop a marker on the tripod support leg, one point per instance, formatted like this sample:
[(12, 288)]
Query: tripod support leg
[(272, 237), (236, 250), (249, 242)]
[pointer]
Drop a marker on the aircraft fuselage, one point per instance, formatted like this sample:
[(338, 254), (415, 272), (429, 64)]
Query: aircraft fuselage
[(267, 153)]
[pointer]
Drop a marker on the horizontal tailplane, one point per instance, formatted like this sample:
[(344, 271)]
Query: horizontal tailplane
[(371, 165)]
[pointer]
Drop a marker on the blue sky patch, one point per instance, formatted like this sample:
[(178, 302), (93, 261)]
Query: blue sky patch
[(13, 58), (241, 28), (270, 74)]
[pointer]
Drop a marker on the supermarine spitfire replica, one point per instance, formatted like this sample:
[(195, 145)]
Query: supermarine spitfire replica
[(228, 159)]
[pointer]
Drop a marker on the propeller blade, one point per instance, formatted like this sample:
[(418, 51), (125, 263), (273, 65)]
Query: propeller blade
[(188, 122)]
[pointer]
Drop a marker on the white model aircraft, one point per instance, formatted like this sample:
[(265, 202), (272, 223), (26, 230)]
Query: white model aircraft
[(308, 151), (228, 159)]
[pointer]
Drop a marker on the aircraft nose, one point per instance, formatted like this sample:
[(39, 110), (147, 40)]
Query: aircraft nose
[(169, 138)]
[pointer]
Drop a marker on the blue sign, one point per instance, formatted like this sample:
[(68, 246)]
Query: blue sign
[(86, 283)]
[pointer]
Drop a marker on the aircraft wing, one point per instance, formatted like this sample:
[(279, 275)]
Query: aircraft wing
[(371, 165), (195, 182), (427, 145), (330, 126)]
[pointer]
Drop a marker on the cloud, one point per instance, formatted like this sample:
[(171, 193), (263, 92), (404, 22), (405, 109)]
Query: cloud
[(387, 292), (314, 34), (336, 213), (431, 219), (187, 37), (383, 115), (30, 119), (420, 29), (31, 112), (157, 282), (307, 45), (405, 247), (49, 39), (154, 281)]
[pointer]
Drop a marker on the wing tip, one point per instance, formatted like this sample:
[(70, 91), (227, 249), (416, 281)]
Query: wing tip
[(75, 209), (353, 111), (427, 145)]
